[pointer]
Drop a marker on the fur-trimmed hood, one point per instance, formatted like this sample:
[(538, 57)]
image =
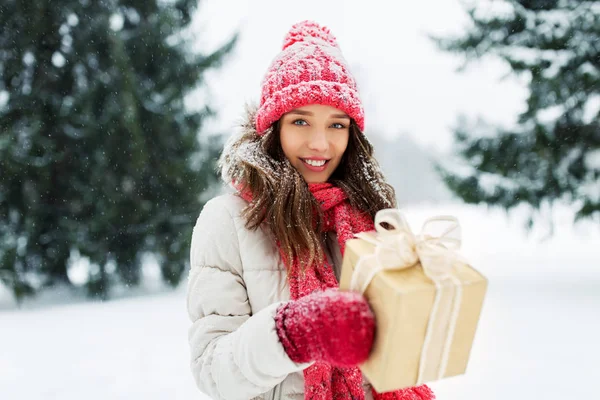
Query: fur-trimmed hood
[(245, 146)]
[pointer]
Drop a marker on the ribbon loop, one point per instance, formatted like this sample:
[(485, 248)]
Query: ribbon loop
[(445, 229), (397, 247), (392, 217)]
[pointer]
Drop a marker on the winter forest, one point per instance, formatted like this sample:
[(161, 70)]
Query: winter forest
[(113, 114)]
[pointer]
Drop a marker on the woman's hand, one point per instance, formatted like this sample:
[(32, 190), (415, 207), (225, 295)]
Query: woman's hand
[(331, 326)]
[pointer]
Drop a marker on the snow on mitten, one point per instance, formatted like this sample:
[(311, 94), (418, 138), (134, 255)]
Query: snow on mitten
[(331, 326), (422, 392)]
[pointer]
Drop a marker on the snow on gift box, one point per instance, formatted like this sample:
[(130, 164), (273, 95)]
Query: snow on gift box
[(426, 298)]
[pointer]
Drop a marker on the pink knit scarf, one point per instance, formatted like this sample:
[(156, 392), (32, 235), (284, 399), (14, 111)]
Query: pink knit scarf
[(323, 381)]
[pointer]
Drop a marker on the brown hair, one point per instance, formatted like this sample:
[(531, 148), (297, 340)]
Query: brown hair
[(280, 196)]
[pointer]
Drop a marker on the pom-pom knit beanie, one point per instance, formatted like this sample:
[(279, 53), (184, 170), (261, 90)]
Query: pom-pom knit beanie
[(309, 70)]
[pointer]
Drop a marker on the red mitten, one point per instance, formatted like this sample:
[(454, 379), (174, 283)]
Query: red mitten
[(331, 326), (422, 392)]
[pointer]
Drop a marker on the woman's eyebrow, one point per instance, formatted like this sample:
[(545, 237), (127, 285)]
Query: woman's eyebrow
[(302, 112), (340, 116)]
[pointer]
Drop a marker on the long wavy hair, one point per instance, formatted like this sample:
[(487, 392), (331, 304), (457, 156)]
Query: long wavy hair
[(281, 198)]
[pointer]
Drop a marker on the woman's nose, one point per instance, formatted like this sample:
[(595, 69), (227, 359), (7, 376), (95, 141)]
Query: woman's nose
[(318, 141)]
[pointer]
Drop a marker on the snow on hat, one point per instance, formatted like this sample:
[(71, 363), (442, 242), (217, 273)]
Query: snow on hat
[(310, 70)]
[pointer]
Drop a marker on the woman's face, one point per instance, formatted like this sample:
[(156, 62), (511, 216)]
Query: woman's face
[(314, 139)]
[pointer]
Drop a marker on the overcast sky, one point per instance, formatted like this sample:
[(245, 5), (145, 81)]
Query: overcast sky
[(407, 85)]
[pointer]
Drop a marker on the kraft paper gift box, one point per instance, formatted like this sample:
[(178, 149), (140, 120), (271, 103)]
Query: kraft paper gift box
[(427, 300)]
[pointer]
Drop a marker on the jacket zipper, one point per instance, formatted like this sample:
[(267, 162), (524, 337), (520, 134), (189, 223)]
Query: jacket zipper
[(276, 393)]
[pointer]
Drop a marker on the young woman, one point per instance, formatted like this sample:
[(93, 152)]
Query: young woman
[(268, 321)]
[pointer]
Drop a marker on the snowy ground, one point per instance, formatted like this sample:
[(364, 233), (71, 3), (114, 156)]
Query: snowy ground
[(537, 338)]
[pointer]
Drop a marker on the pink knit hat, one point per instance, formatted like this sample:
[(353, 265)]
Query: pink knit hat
[(309, 70)]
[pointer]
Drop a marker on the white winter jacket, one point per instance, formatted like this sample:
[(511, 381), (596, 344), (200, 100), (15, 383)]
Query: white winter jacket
[(237, 280)]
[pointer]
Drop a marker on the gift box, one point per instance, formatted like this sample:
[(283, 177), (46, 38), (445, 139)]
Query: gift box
[(426, 298)]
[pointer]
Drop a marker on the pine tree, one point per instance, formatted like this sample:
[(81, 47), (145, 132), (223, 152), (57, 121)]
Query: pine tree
[(554, 152), (98, 153)]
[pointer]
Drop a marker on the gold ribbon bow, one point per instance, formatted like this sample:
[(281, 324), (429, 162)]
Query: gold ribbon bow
[(398, 248), (435, 248)]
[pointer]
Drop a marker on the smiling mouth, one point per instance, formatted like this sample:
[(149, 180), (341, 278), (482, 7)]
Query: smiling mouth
[(315, 163)]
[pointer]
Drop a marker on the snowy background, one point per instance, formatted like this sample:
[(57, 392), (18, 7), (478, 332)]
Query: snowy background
[(537, 337)]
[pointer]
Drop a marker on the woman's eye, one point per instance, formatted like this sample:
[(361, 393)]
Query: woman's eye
[(337, 125), (300, 122)]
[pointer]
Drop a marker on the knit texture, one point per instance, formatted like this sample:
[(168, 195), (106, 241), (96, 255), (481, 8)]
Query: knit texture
[(331, 326), (322, 380), (309, 70)]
